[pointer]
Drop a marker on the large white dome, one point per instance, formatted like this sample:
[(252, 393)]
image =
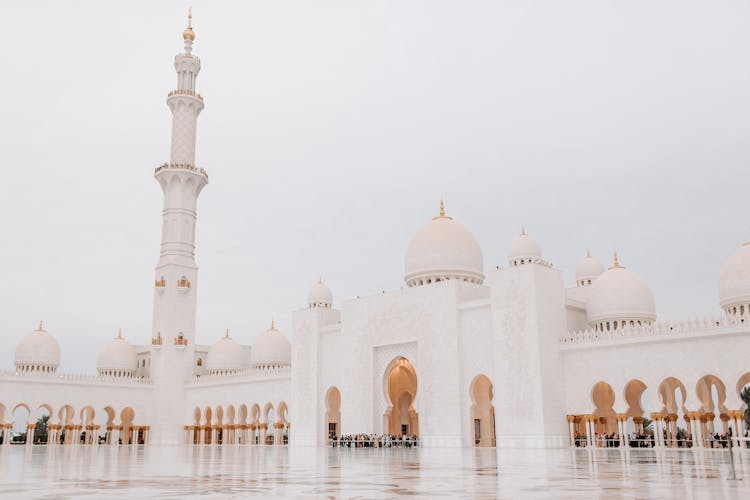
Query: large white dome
[(618, 298), (37, 351), (118, 358), (320, 295), (226, 355), (443, 249), (588, 270), (524, 249), (734, 281), (271, 349)]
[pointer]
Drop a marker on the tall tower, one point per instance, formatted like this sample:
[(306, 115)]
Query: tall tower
[(176, 275)]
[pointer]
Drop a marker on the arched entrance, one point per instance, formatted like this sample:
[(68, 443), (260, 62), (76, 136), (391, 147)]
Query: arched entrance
[(482, 412), (400, 384), (333, 413)]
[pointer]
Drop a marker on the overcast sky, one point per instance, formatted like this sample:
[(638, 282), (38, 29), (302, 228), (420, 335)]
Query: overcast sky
[(333, 128)]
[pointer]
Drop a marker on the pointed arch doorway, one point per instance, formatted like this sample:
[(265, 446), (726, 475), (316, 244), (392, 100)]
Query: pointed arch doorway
[(400, 390)]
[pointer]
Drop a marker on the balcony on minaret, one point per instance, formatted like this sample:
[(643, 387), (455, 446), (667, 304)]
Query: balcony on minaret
[(180, 341), (182, 166), (183, 285), (160, 284), (186, 92), (156, 341)]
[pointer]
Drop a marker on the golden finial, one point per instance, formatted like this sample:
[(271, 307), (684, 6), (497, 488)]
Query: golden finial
[(320, 279), (442, 208), (189, 34), (41, 326), (273, 325), (226, 335), (588, 253), (119, 333), (616, 263), (523, 231)]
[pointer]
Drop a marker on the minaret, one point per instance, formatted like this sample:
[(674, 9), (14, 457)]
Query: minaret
[(181, 181)]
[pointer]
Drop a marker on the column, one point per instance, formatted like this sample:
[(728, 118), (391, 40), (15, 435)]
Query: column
[(587, 421), (658, 435), (621, 421), (30, 434), (571, 430)]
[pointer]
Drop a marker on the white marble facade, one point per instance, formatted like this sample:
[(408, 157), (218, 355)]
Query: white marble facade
[(460, 358)]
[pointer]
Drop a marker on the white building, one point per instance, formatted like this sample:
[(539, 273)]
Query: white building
[(459, 357)]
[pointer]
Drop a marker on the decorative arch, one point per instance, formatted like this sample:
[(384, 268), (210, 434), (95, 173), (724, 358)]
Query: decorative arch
[(633, 395), (603, 398), (704, 391), (333, 412), (482, 411), (669, 389), (400, 391), (87, 415), (255, 414), (127, 417), (110, 416), (197, 417)]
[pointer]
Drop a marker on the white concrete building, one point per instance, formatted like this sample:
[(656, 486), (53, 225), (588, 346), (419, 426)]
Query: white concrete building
[(459, 357)]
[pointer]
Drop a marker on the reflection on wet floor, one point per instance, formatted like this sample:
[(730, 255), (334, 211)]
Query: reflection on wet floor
[(226, 471)]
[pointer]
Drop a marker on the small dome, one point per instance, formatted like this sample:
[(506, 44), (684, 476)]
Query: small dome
[(320, 295), (443, 249), (37, 351), (271, 349), (618, 298), (734, 281), (118, 358), (226, 355), (588, 270), (524, 249)]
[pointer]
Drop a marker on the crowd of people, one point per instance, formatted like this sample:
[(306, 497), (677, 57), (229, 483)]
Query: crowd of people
[(373, 441), (646, 440)]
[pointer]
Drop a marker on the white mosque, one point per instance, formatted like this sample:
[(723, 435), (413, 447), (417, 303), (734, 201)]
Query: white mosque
[(459, 357)]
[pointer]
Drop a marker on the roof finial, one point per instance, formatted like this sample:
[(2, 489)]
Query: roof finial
[(273, 324), (588, 253), (189, 35), (616, 262), (320, 279), (442, 208), (119, 333), (523, 231), (41, 326), (226, 335)]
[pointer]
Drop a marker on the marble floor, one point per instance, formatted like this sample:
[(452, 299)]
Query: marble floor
[(241, 471)]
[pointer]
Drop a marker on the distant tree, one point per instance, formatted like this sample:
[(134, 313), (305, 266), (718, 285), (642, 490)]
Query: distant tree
[(648, 425), (745, 395), (40, 429)]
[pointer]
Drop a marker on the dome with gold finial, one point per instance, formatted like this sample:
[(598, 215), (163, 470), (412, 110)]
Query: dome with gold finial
[(524, 249), (189, 34), (320, 295), (271, 350), (443, 250), (225, 356), (117, 359), (588, 270), (38, 351), (620, 298)]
